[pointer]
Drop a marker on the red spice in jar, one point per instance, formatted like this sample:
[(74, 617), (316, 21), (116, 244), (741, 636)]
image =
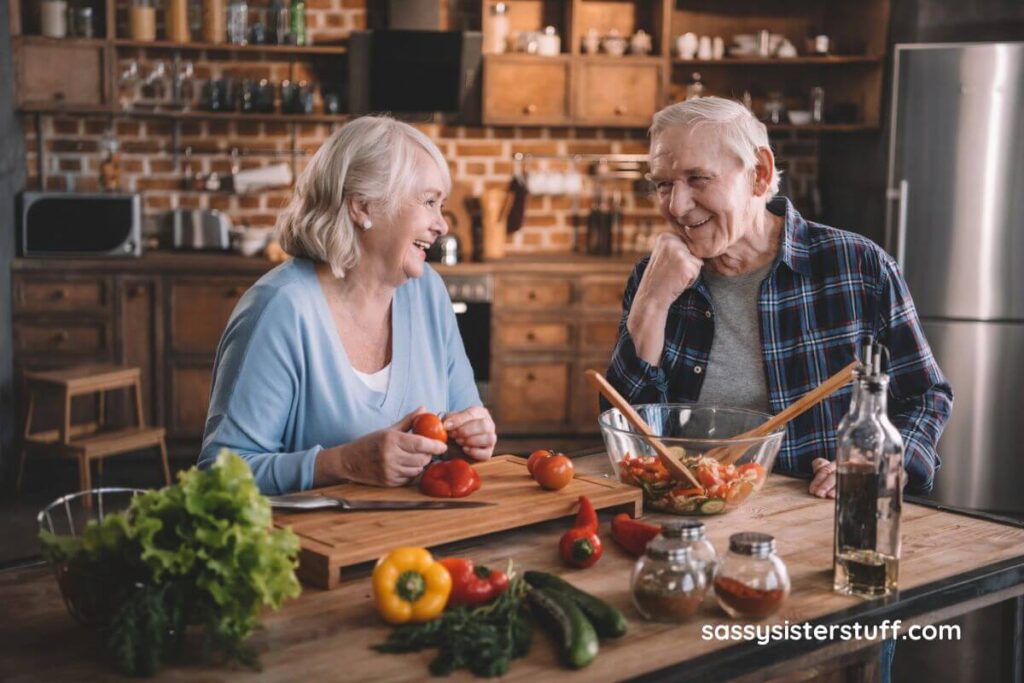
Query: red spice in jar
[(749, 602)]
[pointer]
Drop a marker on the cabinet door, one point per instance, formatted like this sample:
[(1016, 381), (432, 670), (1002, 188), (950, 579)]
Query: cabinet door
[(617, 92), (189, 400), (533, 394), (584, 396), (200, 312), (141, 345), (57, 75), (526, 90)]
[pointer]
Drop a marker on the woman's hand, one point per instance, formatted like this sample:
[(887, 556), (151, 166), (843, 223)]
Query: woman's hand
[(473, 430), (823, 483), (389, 457)]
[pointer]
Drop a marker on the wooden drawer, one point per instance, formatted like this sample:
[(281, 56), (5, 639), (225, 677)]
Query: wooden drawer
[(50, 295), (189, 400), (604, 291), (526, 335), (200, 312), (585, 403), (533, 393), (77, 339), (522, 89), (599, 335), (618, 93), (532, 293)]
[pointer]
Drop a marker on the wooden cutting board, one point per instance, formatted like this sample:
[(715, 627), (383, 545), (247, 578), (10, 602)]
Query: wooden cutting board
[(332, 540)]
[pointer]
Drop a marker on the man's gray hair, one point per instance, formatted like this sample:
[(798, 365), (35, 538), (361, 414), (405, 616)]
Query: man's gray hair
[(372, 158), (732, 123)]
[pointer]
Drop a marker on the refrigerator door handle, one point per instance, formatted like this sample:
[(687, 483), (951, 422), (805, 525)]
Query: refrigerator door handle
[(899, 194)]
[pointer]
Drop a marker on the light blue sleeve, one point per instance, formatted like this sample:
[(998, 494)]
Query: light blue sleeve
[(256, 377), (462, 391)]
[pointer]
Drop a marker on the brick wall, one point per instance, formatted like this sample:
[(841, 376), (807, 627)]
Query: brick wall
[(480, 157)]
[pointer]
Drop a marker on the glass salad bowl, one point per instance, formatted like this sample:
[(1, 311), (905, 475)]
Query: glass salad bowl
[(729, 472)]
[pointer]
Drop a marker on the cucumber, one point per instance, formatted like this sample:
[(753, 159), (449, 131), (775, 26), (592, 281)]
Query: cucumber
[(576, 637), (608, 621), (712, 506)]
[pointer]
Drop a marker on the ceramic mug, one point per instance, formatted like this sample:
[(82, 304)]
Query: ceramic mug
[(686, 45)]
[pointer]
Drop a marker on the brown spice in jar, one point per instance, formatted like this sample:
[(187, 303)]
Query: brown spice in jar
[(664, 605), (748, 601)]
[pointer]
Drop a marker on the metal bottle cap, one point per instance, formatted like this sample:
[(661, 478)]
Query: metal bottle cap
[(683, 529), (752, 543), (664, 548)]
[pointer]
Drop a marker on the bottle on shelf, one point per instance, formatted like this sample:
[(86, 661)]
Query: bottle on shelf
[(176, 20), (869, 490), (695, 88), (214, 21), (298, 22), (238, 22), (500, 27), (142, 20), (277, 23)]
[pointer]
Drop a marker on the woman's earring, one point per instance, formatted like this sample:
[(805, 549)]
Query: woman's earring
[(367, 224)]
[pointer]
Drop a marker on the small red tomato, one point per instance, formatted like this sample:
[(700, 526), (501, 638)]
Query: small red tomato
[(536, 457), (554, 473), (429, 425)]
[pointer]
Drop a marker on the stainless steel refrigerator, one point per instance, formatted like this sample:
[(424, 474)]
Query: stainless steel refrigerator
[(956, 225)]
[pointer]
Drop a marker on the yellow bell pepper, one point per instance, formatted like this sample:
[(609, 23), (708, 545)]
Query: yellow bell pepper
[(408, 585)]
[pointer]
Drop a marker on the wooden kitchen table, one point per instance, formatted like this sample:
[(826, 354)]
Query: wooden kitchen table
[(952, 563)]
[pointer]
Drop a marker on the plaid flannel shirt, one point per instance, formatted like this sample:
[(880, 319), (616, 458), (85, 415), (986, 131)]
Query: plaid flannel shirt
[(826, 290)]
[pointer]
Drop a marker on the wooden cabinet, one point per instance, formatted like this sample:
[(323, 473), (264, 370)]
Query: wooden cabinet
[(526, 89), (55, 73), (189, 400), (549, 329), (615, 91), (200, 310)]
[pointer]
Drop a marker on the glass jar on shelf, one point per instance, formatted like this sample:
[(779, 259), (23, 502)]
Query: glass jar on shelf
[(774, 108), (669, 582), (752, 581), (695, 88), (53, 18), (142, 20), (238, 22)]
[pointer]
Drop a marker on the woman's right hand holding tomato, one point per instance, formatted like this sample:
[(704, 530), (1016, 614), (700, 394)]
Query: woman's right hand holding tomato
[(389, 457)]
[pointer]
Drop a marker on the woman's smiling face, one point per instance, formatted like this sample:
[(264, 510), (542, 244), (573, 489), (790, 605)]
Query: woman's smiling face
[(703, 190)]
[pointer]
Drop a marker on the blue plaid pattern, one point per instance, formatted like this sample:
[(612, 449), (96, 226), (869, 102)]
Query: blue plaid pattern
[(827, 289)]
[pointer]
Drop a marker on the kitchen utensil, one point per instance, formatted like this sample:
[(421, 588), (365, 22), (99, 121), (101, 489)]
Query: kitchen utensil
[(199, 229), (689, 432), (799, 117), (806, 402), (316, 501), (668, 459)]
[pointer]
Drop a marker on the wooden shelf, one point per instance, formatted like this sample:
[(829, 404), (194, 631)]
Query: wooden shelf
[(822, 127), (193, 115), (228, 47), (43, 40), (828, 60)]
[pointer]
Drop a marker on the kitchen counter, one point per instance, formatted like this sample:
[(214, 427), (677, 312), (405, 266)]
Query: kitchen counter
[(230, 263), (952, 563)]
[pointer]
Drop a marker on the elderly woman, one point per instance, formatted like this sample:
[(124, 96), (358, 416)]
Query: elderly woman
[(327, 358), (746, 304)]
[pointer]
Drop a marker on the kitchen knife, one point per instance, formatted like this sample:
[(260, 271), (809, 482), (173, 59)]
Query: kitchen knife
[(312, 501)]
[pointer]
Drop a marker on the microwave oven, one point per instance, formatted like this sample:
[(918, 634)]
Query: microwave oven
[(80, 224)]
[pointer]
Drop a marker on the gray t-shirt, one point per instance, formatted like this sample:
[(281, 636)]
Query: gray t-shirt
[(735, 370)]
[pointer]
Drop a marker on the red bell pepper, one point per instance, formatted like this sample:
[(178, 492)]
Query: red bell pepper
[(473, 585), (580, 546), (632, 534), (450, 479)]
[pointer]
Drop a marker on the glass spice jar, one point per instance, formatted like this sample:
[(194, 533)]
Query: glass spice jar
[(692, 531), (752, 581), (668, 583)]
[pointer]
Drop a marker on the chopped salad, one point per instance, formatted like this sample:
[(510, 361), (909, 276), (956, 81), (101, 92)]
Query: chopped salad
[(722, 487)]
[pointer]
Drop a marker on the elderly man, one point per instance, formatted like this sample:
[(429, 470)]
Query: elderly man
[(744, 303)]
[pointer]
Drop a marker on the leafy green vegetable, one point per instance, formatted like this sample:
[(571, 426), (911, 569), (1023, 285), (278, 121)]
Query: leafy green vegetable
[(200, 552), (483, 639)]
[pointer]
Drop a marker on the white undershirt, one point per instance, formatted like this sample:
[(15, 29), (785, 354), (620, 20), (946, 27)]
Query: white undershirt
[(378, 381)]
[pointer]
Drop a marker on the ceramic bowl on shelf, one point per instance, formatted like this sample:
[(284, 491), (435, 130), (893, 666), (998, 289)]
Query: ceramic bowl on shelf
[(799, 117), (729, 472)]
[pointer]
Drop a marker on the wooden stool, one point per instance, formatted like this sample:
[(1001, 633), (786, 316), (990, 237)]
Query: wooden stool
[(91, 441)]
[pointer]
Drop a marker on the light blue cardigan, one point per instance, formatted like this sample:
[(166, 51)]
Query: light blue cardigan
[(283, 387)]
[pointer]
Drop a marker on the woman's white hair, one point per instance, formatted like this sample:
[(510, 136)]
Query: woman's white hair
[(372, 159), (732, 123)]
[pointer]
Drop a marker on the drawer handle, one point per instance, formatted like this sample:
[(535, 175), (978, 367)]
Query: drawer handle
[(530, 377), (60, 337), (531, 295), (530, 109), (236, 292), (530, 336), (59, 294), (621, 109)]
